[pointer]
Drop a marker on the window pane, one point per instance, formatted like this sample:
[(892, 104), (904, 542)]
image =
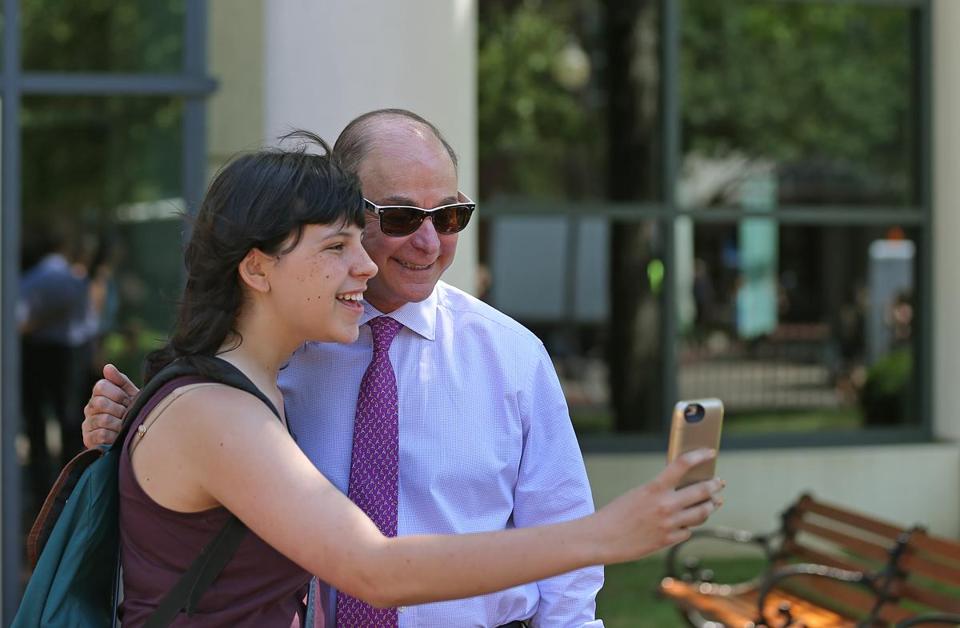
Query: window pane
[(820, 93), (101, 257), (102, 36), (553, 274), (568, 99), (107, 170), (800, 328)]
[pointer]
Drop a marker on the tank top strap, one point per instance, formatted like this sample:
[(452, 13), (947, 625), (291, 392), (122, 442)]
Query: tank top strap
[(158, 396)]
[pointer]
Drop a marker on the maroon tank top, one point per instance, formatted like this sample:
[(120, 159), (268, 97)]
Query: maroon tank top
[(258, 587)]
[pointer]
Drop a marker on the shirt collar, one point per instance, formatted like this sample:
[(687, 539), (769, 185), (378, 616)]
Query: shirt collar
[(420, 317)]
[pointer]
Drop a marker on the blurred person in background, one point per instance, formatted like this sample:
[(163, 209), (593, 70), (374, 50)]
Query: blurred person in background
[(53, 318)]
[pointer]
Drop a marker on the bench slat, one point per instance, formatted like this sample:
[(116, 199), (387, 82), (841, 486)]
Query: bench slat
[(945, 548), (735, 611), (859, 545), (892, 613), (933, 599), (881, 528), (911, 563), (808, 555), (845, 595)]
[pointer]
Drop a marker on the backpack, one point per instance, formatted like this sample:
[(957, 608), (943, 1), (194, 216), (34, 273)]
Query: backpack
[(75, 540)]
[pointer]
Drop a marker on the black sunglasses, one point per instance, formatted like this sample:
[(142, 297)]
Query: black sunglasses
[(402, 220)]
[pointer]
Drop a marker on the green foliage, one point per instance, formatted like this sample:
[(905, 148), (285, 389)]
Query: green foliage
[(101, 152), (782, 81), (791, 81), (127, 349), (887, 393), (531, 125), (102, 35), (85, 157)]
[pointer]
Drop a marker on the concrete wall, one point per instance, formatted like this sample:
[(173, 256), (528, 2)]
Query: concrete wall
[(946, 222), (761, 483), (327, 62), (235, 112)]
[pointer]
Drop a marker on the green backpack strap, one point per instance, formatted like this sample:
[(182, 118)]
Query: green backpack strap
[(186, 593)]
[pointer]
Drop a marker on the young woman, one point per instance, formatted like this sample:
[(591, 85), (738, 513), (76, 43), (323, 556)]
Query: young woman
[(274, 260)]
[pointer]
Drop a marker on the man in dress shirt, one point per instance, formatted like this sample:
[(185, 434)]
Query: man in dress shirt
[(486, 441)]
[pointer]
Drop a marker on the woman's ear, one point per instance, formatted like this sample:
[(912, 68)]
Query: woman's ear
[(254, 270)]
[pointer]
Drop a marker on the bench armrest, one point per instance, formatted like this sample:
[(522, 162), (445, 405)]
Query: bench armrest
[(763, 541), (925, 620), (780, 574)]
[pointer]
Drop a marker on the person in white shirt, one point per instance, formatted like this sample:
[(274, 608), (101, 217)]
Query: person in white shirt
[(485, 439)]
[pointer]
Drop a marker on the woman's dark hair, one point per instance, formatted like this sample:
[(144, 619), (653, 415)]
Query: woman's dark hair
[(256, 201)]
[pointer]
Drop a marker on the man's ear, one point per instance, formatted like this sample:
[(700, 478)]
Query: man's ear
[(254, 270)]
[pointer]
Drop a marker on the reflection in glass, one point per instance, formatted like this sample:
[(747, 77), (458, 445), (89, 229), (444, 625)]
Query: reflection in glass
[(107, 171), (831, 347), (115, 36), (553, 275), (569, 108), (821, 94), (100, 256), (568, 99)]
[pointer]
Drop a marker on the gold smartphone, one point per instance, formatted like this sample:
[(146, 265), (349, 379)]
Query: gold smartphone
[(696, 424)]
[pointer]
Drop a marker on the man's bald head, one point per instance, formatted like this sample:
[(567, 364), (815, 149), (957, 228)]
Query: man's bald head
[(383, 126)]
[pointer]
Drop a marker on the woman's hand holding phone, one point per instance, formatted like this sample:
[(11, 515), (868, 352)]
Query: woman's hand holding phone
[(660, 513)]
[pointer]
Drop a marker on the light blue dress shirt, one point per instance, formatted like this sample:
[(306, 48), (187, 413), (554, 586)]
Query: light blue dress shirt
[(486, 443)]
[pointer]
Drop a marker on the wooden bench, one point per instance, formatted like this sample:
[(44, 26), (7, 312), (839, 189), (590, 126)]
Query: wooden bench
[(826, 566)]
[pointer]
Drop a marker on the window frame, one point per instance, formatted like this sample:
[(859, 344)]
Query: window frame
[(666, 211), (193, 84)]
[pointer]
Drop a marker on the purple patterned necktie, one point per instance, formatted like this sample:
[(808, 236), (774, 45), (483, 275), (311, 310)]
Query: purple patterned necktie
[(374, 465)]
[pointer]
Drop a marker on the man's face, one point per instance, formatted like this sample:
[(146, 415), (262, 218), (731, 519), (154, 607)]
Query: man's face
[(414, 170)]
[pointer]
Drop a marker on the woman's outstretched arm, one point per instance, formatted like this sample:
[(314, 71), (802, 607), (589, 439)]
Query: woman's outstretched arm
[(218, 445)]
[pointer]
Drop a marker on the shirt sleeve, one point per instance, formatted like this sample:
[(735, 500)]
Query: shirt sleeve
[(552, 486)]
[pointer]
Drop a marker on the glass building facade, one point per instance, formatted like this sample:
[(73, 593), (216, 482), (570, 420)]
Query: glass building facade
[(103, 134), (719, 199)]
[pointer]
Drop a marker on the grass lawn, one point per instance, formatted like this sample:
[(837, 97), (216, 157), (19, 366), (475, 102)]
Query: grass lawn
[(627, 601), (599, 421), (850, 418)]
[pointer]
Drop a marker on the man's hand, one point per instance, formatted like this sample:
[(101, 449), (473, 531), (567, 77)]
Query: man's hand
[(103, 414)]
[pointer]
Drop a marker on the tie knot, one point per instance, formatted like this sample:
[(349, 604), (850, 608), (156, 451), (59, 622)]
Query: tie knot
[(384, 330)]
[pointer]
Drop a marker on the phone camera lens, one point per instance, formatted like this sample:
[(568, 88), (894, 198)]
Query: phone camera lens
[(693, 413)]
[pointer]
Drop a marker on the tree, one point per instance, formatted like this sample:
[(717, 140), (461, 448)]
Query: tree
[(632, 83)]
